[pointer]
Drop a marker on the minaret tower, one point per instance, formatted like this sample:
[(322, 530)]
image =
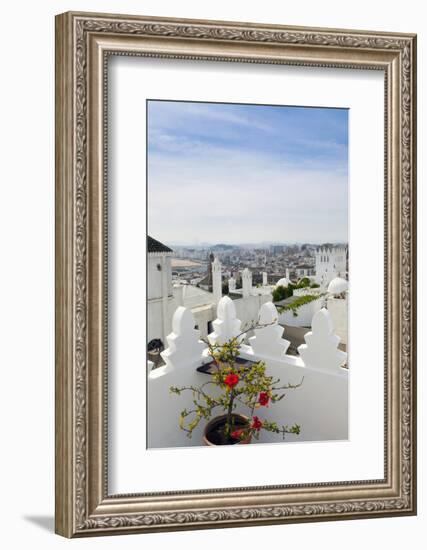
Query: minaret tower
[(211, 258), (216, 280)]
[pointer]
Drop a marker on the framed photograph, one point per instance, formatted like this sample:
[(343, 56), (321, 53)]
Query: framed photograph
[(235, 274)]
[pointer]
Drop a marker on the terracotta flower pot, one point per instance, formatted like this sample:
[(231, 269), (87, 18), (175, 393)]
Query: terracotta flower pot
[(213, 434)]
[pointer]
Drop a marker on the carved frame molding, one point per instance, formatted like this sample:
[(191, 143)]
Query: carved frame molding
[(83, 44)]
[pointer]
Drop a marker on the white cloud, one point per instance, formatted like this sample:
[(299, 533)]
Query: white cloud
[(173, 114), (232, 196)]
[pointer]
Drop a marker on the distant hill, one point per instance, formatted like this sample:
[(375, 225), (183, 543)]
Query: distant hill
[(222, 247)]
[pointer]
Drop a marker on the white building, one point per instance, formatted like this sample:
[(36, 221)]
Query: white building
[(160, 299), (330, 263)]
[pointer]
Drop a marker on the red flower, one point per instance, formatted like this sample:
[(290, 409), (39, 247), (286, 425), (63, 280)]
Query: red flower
[(231, 380), (264, 398), (256, 423), (237, 434)]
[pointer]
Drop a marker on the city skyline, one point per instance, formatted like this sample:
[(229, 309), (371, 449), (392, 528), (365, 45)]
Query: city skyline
[(259, 244), (208, 165)]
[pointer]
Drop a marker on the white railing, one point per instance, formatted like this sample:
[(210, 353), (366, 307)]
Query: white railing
[(319, 405)]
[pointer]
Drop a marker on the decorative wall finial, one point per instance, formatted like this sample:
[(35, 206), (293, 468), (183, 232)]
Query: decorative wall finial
[(268, 340), (321, 347), (184, 346), (227, 325)]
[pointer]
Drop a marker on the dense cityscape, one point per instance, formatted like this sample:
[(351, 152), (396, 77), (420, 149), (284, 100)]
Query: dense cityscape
[(293, 261)]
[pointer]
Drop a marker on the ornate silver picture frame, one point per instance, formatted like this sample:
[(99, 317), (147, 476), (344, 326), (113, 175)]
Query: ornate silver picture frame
[(84, 43)]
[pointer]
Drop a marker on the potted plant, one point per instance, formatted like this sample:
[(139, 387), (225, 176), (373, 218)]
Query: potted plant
[(232, 384)]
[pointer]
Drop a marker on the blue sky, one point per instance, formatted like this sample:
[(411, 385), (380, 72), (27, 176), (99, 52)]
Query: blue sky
[(246, 173)]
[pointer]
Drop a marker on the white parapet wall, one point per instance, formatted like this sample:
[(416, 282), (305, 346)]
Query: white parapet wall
[(319, 405), (247, 309), (307, 291), (303, 315), (185, 353), (338, 308)]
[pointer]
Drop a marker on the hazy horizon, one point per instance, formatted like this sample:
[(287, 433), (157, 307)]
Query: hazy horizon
[(237, 174), (247, 244)]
